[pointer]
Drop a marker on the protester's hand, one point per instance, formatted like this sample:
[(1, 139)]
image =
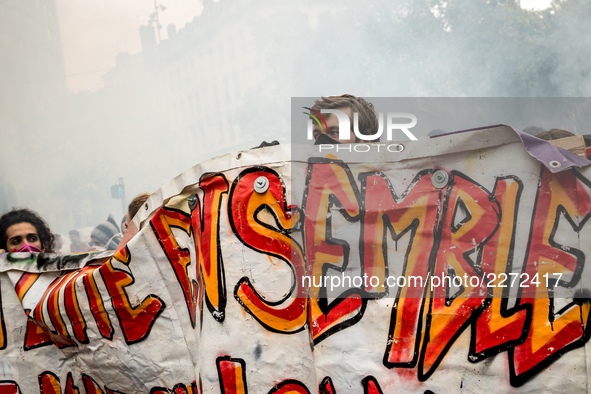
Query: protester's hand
[(264, 144)]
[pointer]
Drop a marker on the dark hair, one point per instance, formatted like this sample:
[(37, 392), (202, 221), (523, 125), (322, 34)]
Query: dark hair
[(368, 120), (16, 216), (136, 204), (554, 134)]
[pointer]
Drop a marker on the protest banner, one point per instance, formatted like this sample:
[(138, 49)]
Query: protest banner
[(455, 264)]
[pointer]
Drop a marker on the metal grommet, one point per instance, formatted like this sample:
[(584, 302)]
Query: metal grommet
[(192, 200), (261, 184), (399, 148), (555, 164), (440, 179)]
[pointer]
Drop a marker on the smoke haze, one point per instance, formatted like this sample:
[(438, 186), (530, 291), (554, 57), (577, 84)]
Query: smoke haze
[(223, 79)]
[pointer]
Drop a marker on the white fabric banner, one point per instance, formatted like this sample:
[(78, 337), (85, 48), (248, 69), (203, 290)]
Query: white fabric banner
[(455, 265)]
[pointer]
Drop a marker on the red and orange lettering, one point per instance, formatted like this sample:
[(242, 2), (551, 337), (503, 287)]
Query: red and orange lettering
[(552, 333), (180, 259), (245, 211), (497, 328), (70, 387), (178, 388), (329, 184), (60, 337), (206, 227), (9, 387), (415, 212), (91, 386), (371, 386), (71, 303), (232, 375), (470, 218), (135, 321), (326, 386), (25, 282), (97, 306), (35, 335), (49, 383), (290, 387)]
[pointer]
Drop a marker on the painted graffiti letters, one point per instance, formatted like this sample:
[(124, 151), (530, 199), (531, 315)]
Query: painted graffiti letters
[(471, 236), (180, 259), (49, 383), (552, 333), (330, 189), (469, 217), (245, 210), (488, 266), (135, 320), (498, 327), (9, 387), (232, 375), (205, 224), (415, 211)]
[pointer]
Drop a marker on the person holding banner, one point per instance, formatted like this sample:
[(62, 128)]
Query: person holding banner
[(328, 131), (23, 230), (106, 235), (133, 208), (127, 227)]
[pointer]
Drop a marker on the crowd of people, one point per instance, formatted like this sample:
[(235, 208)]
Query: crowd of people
[(24, 230)]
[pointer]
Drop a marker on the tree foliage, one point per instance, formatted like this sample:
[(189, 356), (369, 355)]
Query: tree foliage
[(439, 48)]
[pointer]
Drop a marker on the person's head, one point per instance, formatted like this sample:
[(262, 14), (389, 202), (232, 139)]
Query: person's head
[(58, 242), (368, 120), (134, 207), (106, 235), (74, 235), (554, 134), (25, 230), (533, 130)]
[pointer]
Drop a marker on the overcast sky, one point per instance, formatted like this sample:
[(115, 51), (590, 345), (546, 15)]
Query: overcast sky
[(94, 32)]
